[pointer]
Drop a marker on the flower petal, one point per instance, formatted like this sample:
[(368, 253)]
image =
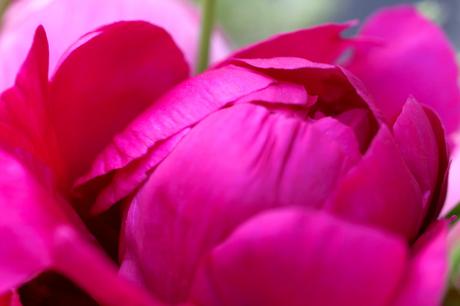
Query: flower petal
[(415, 58), (293, 257), (427, 276), (127, 179), (453, 194), (105, 83), (39, 231), (180, 108), (419, 147), (381, 191), (23, 115), (322, 43), (332, 83), (278, 81), (78, 17), (211, 183)]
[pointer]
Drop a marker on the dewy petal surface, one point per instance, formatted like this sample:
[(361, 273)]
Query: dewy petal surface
[(293, 257), (194, 198), (105, 83), (413, 58), (78, 17)]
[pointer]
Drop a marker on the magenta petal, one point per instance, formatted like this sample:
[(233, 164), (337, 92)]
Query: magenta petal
[(29, 215), (332, 83), (439, 195), (278, 160), (39, 231), (319, 44), (127, 179), (83, 263), (415, 58), (280, 93), (419, 147), (381, 190), (23, 115), (182, 107), (427, 276), (296, 258), (105, 83)]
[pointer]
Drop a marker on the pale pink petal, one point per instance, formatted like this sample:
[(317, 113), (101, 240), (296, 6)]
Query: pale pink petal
[(66, 21), (453, 193), (415, 58)]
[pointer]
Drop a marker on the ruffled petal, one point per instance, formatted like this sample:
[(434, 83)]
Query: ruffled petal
[(130, 177), (180, 108), (414, 58), (295, 257), (127, 179)]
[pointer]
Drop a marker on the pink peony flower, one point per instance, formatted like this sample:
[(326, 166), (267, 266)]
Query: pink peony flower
[(273, 178), (66, 21)]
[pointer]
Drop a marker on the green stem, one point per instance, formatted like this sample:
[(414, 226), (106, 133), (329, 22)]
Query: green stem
[(3, 6), (207, 23)]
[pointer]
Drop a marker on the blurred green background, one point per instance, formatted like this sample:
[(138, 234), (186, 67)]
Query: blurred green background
[(247, 21)]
